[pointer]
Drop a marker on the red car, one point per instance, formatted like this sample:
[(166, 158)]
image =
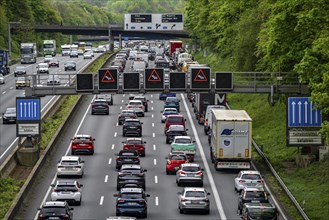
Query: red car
[(174, 120), (82, 143), (53, 62), (136, 144), (174, 160)]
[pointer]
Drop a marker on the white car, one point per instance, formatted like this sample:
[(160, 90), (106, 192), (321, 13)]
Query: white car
[(2, 79), (48, 58), (43, 68), (248, 178), (167, 111), (137, 106), (87, 55), (70, 166), (67, 190), (53, 80)]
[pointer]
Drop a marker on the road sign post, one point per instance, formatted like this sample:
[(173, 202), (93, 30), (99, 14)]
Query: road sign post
[(108, 80), (131, 81), (85, 82), (177, 80), (200, 78), (153, 79)]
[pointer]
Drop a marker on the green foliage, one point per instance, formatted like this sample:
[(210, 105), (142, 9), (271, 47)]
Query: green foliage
[(9, 188)]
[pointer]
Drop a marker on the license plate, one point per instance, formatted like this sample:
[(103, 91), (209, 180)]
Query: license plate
[(195, 202), (190, 174), (250, 184), (82, 144), (131, 203), (128, 160)]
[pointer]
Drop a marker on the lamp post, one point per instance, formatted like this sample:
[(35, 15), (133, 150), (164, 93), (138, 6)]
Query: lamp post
[(9, 35)]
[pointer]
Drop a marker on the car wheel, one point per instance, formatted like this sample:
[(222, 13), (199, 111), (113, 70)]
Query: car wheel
[(65, 69), (167, 141), (107, 113), (117, 214), (143, 115), (124, 134), (92, 152), (118, 187), (92, 113), (207, 212), (181, 211), (201, 185), (79, 202), (178, 184), (145, 215), (140, 135), (167, 172)]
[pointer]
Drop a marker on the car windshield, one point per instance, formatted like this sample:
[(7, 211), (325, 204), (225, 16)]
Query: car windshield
[(82, 138), (130, 170), (178, 157), (194, 194), (175, 119), (259, 213), (43, 65), (255, 195), (171, 99), (128, 114), (131, 196), (182, 141), (68, 162), (67, 188), (70, 63), (55, 210), (100, 103), (191, 169), (21, 78), (251, 177), (134, 142), (20, 68), (127, 154), (132, 123), (11, 110)]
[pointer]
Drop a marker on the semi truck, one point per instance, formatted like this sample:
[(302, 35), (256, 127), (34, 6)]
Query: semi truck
[(49, 47), (230, 145), (173, 45), (4, 62), (28, 53)]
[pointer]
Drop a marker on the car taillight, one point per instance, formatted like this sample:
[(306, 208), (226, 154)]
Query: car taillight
[(141, 107), (121, 174), (121, 201), (118, 158), (182, 172), (141, 148), (129, 106), (206, 200), (125, 148), (260, 181), (136, 159), (140, 174), (41, 217), (242, 181), (199, 173), (206, 121), (168, 162), (66, 217), (141, 201)]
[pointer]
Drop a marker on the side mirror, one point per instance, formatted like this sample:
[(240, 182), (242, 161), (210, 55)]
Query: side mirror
[(123, 142), (94, 139), (208, 194), (115, 195), (166, 158), (193, 141), (202, 169), (147, 195), (179, 193), (116, 154), (145, 142), (145, 170), (185, 119), (161, 111), (39, 209), (186, 129), (141, 122), (81, 185), (71, 209), (82, 161)]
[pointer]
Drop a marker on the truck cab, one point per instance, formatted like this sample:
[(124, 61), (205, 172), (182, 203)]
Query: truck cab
[(4, 62)]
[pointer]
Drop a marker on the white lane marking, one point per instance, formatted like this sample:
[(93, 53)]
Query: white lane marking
[(206, 165), (115, 134), (151, 95), (101, 201), (66, 153), (11, 87), (123, 95), (154, 147), (106, 178), (156, 179), (157, 201), (152, 124), (117, 124), (153, 134), (152, 115), (4, 92), (113, 146), (151, 101), (110, 160), (152, 108), (120, 107), (155, 161), (0, 117), (122, 100)]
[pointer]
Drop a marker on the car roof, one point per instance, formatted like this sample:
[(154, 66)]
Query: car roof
[(54, 203), (250, 172), (127, 166), (83, 135), (198, 189), (183, 137), (190, 165), (131, 190), (66, 182), (72, 158), (132, 119), (134, 139)]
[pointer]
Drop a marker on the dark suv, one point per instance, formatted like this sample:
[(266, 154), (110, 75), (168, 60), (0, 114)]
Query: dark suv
[(175, 130), (249, 195), (144, 101), (127, 157), (100, 106), (132, 127), (131, 173), (131, 202), (55, 210), (172, 102)]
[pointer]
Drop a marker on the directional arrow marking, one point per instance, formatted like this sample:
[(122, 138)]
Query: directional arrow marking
[(306, 103), (293, 112), (311, 112), (35, 109), (21, 109), (25, 109), (300, 112), (29, 109)]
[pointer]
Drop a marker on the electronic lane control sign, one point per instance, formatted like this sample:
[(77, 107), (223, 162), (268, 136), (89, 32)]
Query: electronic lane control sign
[(85, 82), (131, 81), (224, 81), (200, 78), (108, 79), (153, 79), (177, 80), (28, 109)]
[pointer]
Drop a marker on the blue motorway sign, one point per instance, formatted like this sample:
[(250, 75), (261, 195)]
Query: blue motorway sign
[(301, 113), (28, 109)]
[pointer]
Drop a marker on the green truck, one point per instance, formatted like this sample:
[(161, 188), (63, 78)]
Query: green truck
[(49, 47), (184, 144)]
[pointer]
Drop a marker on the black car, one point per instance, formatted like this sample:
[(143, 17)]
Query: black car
[(100, 106), (144, 101), (70, 65), (131, 202), (131, 173), (9, 116), (175, 130), (125, 114), (74, 53), (55, 210), (127, 157), (132, 127), (249, 195), (19, 71), (252, 211)]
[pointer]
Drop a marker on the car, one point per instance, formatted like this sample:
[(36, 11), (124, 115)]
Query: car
[(193, 199), (131, 96), (53, 80), (67, 190), (251, 195), (55, 210), (9, 116), (54, 62), (107, 97), (132, 202), (174, 161), (174, 120), (248, 178), (80, 52), (166, 112), (82, 143), (70, 166), (19, 71), (125, 114), (172, 101), (126, 157), (22, 81), (190, 173), (131, 173), (136, 144), (132, 127), (42, 68), (119, 65), (208, 120), (87, 55), (70, 65), (74, 53), (144, 101), (89, 50), (163, 96), (173, 131), (100, 106), (2, 79), (137, 106), (184, 144), (256, 210), (48, 58)]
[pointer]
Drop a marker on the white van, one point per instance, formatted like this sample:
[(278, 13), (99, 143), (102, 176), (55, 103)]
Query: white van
[(207, 119)]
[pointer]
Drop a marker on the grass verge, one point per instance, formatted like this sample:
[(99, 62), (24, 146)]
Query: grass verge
[(9, 187)]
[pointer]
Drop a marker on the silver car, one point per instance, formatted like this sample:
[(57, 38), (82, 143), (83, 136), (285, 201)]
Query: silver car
[(189, 173), (193, 199), (70, 166), (67, 190), (2, 79), (53, 80), (248, 178), (137, 106)]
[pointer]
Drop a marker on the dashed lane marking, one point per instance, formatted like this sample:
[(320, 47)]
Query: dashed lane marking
[(110, 160), (154, 147), (106, 178), (156, 179), (101, 201), (113, 146)]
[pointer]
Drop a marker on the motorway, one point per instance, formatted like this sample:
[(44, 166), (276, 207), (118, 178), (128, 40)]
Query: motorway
[(100, 175), (8, 94)]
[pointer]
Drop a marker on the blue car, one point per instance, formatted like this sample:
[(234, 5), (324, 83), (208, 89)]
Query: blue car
[(163, 96), (131, 202), (166, 112)]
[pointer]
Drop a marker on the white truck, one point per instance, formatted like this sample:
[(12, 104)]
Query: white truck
[(66, 49), (230, 145), (28, 53)]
